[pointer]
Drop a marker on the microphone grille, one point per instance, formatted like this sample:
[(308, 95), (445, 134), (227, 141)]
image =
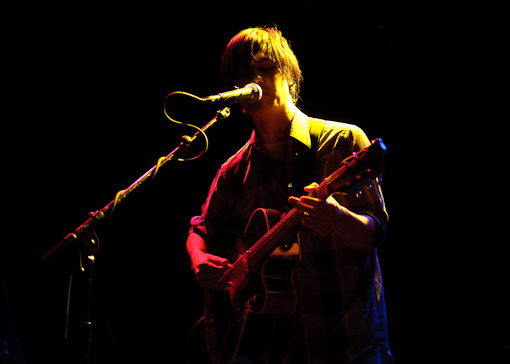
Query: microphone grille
[(257, 91)]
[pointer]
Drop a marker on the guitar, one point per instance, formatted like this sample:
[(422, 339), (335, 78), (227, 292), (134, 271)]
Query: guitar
[(265, 258)]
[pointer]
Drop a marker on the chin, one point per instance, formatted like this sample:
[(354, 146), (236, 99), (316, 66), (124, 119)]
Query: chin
[(258, 106)]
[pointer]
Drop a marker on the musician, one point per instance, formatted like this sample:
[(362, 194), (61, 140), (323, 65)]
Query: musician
[(340, 315)]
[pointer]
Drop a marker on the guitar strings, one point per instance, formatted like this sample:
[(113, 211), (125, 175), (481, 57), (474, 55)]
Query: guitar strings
[(289, 219), (321, 192), (260, 244)]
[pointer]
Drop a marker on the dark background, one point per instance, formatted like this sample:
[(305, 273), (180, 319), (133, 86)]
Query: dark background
[(84, 114)]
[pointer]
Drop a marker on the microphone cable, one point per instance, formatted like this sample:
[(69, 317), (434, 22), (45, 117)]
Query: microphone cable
[(206, 139)]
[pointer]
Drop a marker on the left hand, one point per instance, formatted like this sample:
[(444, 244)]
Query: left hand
[(322, 216)]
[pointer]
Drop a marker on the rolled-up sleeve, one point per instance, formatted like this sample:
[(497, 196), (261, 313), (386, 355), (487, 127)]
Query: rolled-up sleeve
[(344, 140)]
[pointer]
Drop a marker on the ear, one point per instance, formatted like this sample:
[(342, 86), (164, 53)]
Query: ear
[(293, 91)]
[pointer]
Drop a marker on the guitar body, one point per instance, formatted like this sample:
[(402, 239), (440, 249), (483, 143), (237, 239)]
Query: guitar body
[(266, 290)]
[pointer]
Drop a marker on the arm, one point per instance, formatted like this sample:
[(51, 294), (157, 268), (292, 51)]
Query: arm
[(208, 268), (326, 217), (356, 219)]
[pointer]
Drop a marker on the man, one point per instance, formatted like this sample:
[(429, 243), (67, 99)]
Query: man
[(340, 314)]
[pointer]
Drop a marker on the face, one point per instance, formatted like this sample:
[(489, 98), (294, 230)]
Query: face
[(275, 88)]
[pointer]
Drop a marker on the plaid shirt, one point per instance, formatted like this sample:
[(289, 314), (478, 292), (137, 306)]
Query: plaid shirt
[(341, 311)]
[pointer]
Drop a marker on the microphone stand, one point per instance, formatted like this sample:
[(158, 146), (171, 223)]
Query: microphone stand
[(85, 238)]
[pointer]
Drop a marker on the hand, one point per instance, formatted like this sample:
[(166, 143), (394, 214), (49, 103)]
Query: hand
[(329, 217), (209, 269), (322, 216)]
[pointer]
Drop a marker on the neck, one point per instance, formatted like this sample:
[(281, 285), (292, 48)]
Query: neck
[(273, 125)]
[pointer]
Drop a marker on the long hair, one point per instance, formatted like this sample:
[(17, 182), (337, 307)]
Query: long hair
[(243, 48)]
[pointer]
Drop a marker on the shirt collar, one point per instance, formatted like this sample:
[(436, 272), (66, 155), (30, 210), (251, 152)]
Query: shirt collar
[(299, 130)]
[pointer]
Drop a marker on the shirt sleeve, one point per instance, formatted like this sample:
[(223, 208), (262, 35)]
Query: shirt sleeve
[(214, 210), (344, 140)]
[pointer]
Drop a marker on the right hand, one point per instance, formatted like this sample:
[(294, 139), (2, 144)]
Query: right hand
[(209, 269)]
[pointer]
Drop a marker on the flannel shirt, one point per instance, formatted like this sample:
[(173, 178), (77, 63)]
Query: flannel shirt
[(341, 310)]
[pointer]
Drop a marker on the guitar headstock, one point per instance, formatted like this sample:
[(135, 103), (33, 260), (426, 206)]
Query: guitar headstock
[(358, 169)]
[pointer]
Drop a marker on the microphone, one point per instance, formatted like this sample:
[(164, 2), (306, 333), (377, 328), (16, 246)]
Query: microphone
[(251, 92)]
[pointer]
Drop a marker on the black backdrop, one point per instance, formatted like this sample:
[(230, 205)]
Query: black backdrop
[(88, 81)]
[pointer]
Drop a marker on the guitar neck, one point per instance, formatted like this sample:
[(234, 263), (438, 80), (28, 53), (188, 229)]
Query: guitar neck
[(261, 250), (353, 172)]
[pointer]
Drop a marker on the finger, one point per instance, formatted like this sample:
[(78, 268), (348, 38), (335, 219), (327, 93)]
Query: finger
[(321, 208), (297, 204), (219, 262), (311, 187), (227, 264), (215, 270), (313, 202), (313, 207), (292, 200), (213, 267), (304, 200)]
